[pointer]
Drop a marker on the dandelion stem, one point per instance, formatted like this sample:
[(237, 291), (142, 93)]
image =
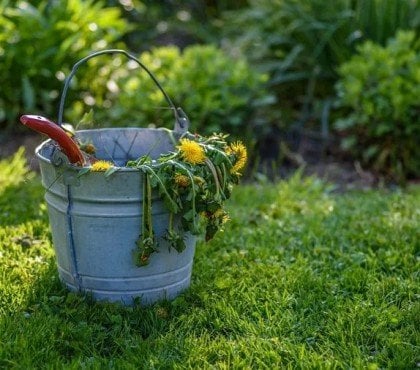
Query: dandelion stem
[(144, 218), (148, 169), (185, 170), (171, 222), (210, 165), (149, 207)]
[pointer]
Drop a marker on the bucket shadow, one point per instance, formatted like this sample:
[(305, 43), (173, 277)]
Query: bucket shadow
[(47, 325), (72, 328)]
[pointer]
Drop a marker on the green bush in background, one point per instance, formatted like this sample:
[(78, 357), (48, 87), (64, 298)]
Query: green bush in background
[(40, 42), (300, 43), (378, 20), (296, 44), (218, 93), (182, 23), (381, 87)]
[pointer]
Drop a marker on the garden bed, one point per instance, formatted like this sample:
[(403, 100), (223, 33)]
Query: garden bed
[(310, 153)]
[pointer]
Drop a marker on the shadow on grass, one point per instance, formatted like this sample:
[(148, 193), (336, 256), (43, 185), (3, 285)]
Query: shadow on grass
[(53, 326), (44, 325)]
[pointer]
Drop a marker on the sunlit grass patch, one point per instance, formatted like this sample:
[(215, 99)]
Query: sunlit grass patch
[(301, 277)]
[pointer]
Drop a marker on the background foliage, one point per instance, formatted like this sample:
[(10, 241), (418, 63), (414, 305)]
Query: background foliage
[(40, 41), (298, 44), (218, 92), (381, 88), (163, 22)]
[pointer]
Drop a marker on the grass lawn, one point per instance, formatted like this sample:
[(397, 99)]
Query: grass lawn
[(302, 277)]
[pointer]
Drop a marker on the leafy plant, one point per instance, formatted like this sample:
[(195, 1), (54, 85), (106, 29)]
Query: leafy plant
[(381, 87), (301, 42), (217, 92), (378, 20), (40, 41), (181, 23), (194, 181)]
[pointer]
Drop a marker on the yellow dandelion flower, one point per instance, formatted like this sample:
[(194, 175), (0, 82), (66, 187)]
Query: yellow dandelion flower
[(182, 180), (206, 214), (241, 155), (191, 151), (203, 214), (225, 219), (219, 213), (100, 166), (199, 180)]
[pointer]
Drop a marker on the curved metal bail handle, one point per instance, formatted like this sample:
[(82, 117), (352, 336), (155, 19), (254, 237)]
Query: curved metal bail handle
[(181, 120)]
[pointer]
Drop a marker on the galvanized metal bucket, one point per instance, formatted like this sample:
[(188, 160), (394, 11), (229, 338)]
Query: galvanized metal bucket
[(96, 220)]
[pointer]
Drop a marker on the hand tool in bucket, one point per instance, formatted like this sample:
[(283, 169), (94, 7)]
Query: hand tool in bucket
[(96, 220)]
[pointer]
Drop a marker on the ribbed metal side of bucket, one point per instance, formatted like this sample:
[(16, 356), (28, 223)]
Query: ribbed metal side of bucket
[(96, 221)]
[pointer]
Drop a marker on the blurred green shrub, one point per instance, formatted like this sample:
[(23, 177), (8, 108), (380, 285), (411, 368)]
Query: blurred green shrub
[(379, 20), (40, 41), (300, 43), (381, 87), (218, 93), (181, 23)]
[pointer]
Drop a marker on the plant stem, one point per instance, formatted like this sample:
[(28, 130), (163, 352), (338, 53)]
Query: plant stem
[(210, 165), (148, 169), (144, 218), (171, 222), (149, 207), (185, 170)]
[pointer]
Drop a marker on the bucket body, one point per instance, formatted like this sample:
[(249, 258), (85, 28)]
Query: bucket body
[(96, 220)]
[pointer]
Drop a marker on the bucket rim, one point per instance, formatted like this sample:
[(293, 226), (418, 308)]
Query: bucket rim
[(77, 168)]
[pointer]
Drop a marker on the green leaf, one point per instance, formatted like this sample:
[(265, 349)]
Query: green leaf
[(170, 205), (370, 152), (87, 119), (344, 123), (28, 93), (83, 171), (111, 170), (348, 142), (189, 216)]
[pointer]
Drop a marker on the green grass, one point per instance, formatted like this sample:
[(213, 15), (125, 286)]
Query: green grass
[(301, 278)]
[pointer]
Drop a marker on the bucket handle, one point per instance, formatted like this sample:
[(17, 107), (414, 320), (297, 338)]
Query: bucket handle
[(181, 119)]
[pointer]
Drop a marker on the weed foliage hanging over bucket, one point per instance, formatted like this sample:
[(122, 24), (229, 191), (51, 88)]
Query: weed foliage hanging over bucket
[(126, 204)]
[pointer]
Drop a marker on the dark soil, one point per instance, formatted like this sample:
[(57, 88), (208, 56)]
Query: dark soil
[(279, 158), (282, 153), (11, 143)]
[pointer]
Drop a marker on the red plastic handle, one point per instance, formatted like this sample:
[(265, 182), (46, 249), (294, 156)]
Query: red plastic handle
[(55, 132)]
